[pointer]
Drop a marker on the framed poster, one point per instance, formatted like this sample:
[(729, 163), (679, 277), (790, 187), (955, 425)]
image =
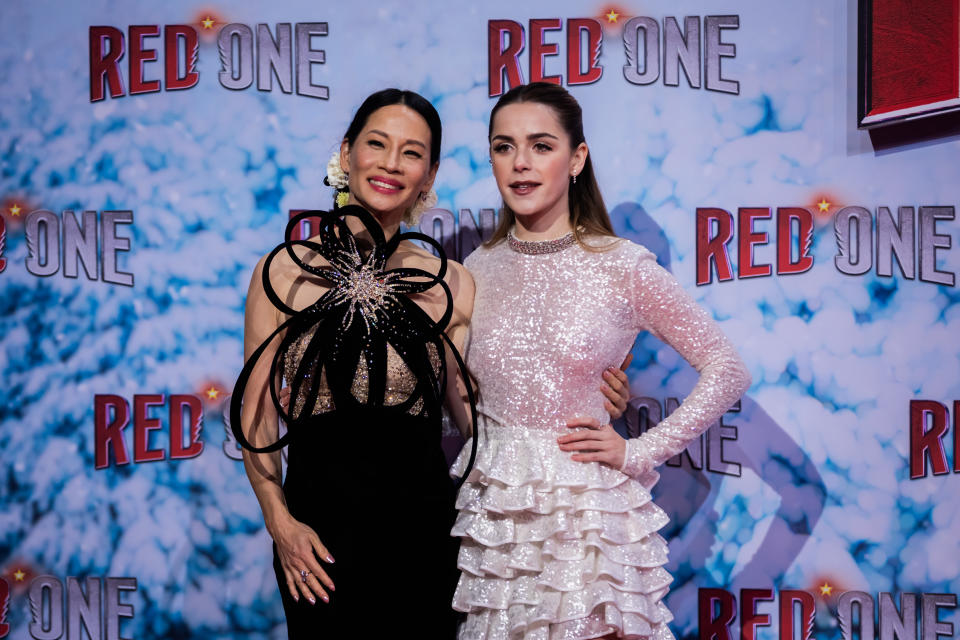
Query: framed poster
[(908, 60)]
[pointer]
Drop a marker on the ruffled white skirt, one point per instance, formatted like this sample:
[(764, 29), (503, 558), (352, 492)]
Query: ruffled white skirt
[(554, 549)]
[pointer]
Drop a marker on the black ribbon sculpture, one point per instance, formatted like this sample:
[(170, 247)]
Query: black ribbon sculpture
[(366, 308)]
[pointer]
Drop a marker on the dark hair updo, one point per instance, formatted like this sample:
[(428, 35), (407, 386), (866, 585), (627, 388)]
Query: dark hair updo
[(388, 97)]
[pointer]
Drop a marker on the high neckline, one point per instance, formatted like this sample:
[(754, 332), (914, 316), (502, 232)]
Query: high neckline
[(540, 247)]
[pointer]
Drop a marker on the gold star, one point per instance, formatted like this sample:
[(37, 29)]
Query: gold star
[(207, 22), (15, 209), (19, 575), (612, 16), (213, 393), (826, 589), (823, 205)]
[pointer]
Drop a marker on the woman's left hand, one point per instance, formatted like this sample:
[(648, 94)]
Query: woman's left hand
[(595, 443)]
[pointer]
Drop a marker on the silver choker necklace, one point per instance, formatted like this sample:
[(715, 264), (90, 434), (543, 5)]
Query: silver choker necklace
[(539, 247)]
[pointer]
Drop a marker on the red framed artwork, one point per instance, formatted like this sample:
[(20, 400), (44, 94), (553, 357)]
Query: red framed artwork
[(909, 60)]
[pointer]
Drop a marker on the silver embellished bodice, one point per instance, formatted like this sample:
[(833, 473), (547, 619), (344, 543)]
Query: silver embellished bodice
[(544, 327), (401, 382)]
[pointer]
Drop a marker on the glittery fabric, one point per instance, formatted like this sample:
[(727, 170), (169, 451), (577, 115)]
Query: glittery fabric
[(400, 380), (553, 549)]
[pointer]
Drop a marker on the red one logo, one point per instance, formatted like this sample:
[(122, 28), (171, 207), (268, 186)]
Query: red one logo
[(112, 416)]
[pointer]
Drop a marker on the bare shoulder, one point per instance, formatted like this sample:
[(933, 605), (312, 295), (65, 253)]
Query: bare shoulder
[(457, 277), (286, 277), (282, 272), (260, 314), (462, 287)]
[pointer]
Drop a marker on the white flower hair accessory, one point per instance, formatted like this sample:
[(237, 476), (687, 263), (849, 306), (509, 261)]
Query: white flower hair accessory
[(336, 176), (425, 202)]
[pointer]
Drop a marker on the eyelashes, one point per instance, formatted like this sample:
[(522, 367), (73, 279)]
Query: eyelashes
[(411, 153), (504, 147)]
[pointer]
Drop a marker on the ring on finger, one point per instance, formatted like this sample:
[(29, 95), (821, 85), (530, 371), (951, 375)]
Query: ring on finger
[(303, 575)]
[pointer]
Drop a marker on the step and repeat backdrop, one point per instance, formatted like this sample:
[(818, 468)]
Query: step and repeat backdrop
[(152, 152)]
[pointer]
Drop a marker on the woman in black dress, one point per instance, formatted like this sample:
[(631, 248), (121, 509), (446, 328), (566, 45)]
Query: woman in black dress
[(361, 324)]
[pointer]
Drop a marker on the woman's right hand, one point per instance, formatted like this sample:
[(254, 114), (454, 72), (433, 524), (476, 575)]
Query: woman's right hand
[(298, 548)]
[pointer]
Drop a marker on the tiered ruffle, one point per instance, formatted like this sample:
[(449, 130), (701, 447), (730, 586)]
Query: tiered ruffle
[(554, 549)]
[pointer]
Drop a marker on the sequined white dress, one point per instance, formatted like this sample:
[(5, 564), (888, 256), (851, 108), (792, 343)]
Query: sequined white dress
[(551, 548)]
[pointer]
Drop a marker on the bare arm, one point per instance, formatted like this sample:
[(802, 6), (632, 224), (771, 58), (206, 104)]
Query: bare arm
[(259, 417), (463, 289), (298, 546)]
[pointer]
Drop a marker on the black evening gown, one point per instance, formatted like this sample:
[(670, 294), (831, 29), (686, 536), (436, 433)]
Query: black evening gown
[(365, 469)]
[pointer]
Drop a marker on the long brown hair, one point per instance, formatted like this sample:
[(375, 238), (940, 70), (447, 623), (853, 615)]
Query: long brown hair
[(588, 213)]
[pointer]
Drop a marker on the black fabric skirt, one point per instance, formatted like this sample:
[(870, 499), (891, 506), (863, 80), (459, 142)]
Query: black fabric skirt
[(374, 486)]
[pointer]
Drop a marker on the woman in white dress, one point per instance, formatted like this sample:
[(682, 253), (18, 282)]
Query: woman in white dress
[(558, 533)]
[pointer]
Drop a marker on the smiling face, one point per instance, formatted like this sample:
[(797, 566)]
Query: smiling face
[(389, 162), (533, 161)]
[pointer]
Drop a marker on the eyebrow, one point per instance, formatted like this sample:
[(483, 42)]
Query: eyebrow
[(532, 136), (410, 141)]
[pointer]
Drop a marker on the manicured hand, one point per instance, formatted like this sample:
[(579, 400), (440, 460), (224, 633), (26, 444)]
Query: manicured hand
[(594, 442), (298, 548)]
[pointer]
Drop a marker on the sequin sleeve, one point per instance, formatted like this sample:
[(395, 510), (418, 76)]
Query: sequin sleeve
[(663, 308)]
